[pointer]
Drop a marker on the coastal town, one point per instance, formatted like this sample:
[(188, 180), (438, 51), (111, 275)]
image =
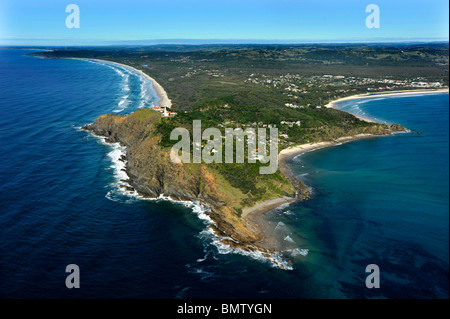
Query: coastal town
[(294, 82), (299, 87)]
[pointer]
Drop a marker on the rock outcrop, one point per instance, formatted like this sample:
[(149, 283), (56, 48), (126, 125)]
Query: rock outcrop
[(152, 173)]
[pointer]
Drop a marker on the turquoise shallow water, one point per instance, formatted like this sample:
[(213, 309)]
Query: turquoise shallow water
[(380, 201)]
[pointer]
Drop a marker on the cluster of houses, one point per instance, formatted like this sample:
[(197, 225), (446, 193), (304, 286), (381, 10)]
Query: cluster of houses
[(193, 71), (282, 136), (259, 124), (254, 124), (290, 124), (294, 106), (296, 83), (426, 84)]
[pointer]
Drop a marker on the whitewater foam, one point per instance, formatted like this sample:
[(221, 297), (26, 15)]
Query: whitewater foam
[(199, 209), (289, 239), (146, 95), (298, 251), (118, 159)]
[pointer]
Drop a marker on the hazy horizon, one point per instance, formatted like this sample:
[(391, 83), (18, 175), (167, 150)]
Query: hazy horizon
[(156, 42), (26, 22)]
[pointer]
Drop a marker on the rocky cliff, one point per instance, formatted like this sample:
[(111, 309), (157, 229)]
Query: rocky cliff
[(152, 173)]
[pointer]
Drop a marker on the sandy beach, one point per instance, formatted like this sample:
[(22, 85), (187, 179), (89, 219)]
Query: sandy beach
[(265, 205), (303, 148), (255, 214), (332, 104), (162, 94), (288, 153), (253, 217)]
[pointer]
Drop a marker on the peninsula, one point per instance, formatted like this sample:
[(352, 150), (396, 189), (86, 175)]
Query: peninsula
[(288, 87)]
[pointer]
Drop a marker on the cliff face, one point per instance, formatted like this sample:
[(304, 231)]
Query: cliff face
[(149, 167), (152, 173)]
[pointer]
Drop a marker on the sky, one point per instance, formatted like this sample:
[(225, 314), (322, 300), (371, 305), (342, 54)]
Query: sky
[(43, 22)]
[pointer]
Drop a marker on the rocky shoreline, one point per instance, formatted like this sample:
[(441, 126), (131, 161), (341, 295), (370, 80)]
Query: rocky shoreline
[(152, 174), (164, 178)]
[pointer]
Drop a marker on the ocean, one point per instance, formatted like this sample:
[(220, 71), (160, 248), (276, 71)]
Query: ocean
[(380, 201)]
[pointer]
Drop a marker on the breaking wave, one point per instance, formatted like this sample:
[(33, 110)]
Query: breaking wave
[(120, 191), (138, 91)]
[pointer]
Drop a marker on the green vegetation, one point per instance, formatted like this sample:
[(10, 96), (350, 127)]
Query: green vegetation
[(144, 114), (242, 86), (199, 74)]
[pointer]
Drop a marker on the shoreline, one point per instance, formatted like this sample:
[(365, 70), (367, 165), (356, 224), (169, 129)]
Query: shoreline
[(290, 152), (162, 94), (261, 250), (256, 212), (332, 104), (254, 217)]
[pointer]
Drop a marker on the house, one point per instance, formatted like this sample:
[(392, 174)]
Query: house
[(255, 156), (166, 113)]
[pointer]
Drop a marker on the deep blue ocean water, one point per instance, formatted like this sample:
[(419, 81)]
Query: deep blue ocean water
[(378, 201)]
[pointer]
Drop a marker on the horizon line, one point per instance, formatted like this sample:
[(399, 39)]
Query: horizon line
[(210, 41)]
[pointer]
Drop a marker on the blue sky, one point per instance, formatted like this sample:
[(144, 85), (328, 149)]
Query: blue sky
[(31, 22)]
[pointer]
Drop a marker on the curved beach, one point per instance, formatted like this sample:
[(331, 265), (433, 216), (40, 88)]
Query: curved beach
[(255, 214), (289, 152), (162, 94), (333, 103)]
